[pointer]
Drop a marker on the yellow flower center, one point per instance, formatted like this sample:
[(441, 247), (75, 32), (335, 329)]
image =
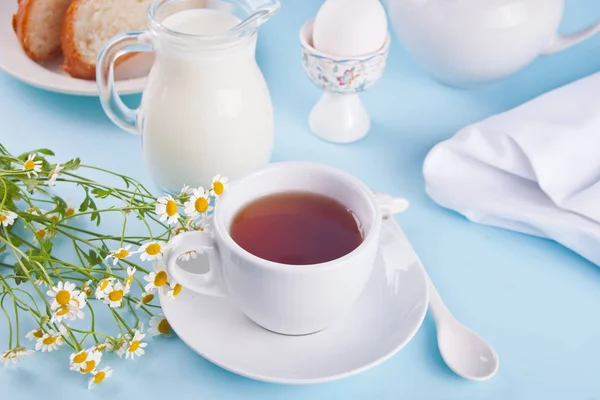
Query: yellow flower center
[(147, 298), (29, 164), (70, 211), (171, 208), (54, 218), (121, 253), (38, 334), (164, 327), (100, 347), (153, 249), (176, 289), (63, 297), (115, 295), (88, 291), (40, 233), (62, 311), (50, 340), (99, 377), (103, 284), (134, 346), (89, 367), (160, 279), (218, 188), (177, 231), (201, 204), (80, 357), (129, 280), (3, 217)]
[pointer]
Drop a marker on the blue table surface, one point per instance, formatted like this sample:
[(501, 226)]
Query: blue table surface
[(532, 299)]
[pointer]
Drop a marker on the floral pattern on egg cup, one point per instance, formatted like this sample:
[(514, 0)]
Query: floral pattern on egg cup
[(339, 116), (344, 76)]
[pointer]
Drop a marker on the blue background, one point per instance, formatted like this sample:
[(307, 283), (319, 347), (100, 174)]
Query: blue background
[(533, 300)]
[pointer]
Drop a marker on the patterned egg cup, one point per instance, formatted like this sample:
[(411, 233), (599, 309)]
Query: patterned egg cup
[(340, 116)]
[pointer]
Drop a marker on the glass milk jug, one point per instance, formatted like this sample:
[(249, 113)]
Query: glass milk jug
[(206, 108)]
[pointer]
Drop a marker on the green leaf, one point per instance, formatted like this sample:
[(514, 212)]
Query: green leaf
[(30, 183), (61, 205), (71, 165), (101, 193), (16, 241), (12, 193), (46, 152)]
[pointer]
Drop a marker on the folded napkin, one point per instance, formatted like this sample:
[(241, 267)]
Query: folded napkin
[(534, 169)]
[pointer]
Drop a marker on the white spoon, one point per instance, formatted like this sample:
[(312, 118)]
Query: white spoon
[(464, 352), (467, 354)]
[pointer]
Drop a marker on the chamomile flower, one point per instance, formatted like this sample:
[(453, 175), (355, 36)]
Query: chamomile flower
[(122, 345), (135, 347), (40, 282), (34, 334), (219, 184), (104, 286), (203, 225), (99, 376), (72, 310), (175, 290), (85, 361), (87, 288), (189, 255), (185, 190), (40, 233), (62, 294), (15, 355), (152, 251), (119, 254), (71, 210), (198, 204), (102, 346), (114, 297), (159, 325), (145, 299), (50, 341), (129, 279), (8, 357), (54, 175), (32, 166), (156, 279), (7, 218), (166, 209)]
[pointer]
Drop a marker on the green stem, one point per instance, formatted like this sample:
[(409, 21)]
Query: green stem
[(10, 337)]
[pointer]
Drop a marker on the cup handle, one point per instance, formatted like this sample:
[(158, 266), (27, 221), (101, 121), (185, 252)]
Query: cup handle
[(210, 283), (563, 42), (390, 205), (128, 42)]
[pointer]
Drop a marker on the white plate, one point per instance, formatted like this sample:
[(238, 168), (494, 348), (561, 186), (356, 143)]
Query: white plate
[(131, 74), (385, 319)]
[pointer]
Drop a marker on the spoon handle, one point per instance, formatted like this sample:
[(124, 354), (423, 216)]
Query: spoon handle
[(436, 305)]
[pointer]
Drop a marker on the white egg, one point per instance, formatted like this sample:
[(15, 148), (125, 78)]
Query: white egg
[(350, 27)]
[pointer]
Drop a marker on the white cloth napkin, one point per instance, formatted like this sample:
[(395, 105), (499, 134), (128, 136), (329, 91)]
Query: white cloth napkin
[(534, 169)]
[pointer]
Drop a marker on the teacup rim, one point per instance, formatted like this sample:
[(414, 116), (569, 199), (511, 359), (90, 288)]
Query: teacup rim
[(371, 236), (304, 42)]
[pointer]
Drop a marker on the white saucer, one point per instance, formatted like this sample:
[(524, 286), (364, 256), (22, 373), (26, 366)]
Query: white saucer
[(385, 319), (131, 74)]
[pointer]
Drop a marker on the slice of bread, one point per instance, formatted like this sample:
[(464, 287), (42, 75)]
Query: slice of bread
[(91, 23), (38, 25)]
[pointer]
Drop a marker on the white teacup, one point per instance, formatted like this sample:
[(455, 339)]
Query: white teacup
[(287, 299)]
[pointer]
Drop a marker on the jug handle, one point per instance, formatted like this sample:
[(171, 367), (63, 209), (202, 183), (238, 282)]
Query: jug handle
[(562, 42), (128, 42)]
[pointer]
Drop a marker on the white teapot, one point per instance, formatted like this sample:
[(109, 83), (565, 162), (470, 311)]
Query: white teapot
[(468, 43)]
